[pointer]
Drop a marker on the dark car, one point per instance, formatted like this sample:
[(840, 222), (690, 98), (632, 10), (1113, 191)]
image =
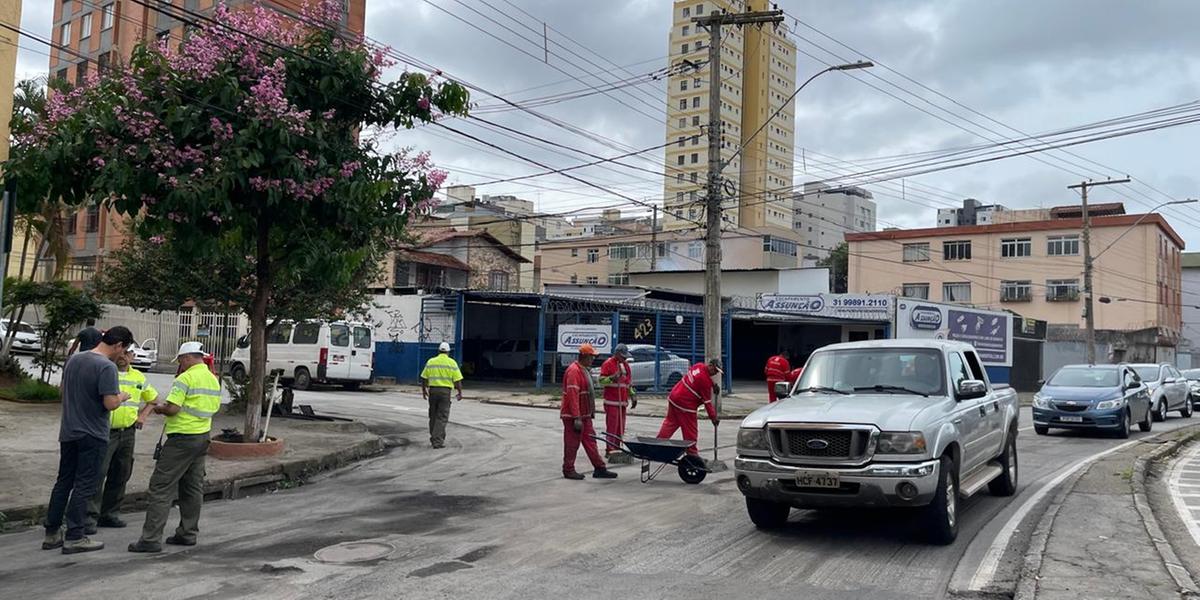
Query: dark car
[(1193, 378), (1107, 397)]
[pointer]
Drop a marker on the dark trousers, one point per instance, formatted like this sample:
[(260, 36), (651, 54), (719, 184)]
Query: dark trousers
[(439, 414), (179, 472), (78, 468), (114, 474)]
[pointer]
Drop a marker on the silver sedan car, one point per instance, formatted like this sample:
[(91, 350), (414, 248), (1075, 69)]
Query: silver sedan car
[(1168, 389)]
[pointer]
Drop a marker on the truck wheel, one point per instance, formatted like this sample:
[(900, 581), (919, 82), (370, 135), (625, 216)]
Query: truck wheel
[(766, 514), (941, 516), (1041, 429), (1160, 411), (1147, 423), (691, 469), (1123, 427), (303, 380), (1186, 411), (238, 373), (1006, 483)]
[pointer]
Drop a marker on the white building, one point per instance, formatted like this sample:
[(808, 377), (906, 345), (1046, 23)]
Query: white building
[(972, 213), (825, 214)]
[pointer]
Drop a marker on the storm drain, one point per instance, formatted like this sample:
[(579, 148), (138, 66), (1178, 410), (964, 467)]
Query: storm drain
[(354, 552)]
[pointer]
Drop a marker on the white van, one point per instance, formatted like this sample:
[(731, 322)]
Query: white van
[(314, 351)]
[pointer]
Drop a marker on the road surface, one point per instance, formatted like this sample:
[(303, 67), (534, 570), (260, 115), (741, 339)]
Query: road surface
[(490, 517)]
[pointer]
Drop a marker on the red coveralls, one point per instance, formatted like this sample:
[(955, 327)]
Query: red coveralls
[(794, 376), (616, 398), (776, 371), (683, 405), (578, 402)]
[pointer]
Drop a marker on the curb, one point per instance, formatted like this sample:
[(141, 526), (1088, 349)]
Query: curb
[(1183, 579), (246, 484)]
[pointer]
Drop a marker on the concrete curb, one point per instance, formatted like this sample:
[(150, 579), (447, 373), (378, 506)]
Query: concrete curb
[(1183, 578), (245, 484)]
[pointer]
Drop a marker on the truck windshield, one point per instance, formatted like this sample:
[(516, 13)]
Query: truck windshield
[(887, 369), (1085, 377)]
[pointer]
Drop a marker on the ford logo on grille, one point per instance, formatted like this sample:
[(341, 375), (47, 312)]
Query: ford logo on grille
[(817, 444)]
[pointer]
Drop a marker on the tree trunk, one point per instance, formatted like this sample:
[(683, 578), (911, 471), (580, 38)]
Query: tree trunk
[(6, 345), (256, 394)]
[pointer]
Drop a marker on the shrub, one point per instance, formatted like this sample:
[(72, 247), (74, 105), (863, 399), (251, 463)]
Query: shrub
[(32, 390)]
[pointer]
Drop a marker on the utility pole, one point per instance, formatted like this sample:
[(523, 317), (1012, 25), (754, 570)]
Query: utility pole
[(654, 238), (1088, 314), (714, 22)]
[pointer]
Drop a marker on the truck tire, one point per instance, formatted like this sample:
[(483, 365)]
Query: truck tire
[(941, 515), (238, 373), (767, 515), (303, 380), (1147, 423), (1006, 483)]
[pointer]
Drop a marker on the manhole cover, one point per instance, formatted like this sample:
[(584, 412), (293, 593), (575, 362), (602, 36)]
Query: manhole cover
[(354, 552)]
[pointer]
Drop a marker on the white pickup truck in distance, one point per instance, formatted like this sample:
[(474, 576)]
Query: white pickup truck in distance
[(892, 423)]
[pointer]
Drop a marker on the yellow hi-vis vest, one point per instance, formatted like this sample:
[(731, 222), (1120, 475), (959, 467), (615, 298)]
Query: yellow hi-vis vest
[(441, 371), (140, 392), (198, 395)]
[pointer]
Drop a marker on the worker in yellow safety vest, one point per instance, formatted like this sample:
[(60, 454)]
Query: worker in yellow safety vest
[(124, 422), (440, 375), (194, 398)]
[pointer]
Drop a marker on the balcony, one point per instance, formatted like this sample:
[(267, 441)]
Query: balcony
[(1062, 295), (1016, 295)]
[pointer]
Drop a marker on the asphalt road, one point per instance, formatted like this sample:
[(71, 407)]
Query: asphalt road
[(489, 517)]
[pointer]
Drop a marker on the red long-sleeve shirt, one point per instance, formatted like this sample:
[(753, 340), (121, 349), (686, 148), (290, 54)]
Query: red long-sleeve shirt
[(694, 389), (578, 397), (777, 369)]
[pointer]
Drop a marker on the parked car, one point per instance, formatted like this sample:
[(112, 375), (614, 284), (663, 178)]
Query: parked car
[(1193, 378), (1107, 397), (1168, 389), (145, 354), (912, 423), (512, 355), (27, 340), (671, 367), (314, 351)]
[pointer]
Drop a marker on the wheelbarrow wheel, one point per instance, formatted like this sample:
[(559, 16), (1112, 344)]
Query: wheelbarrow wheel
[(692, 470)]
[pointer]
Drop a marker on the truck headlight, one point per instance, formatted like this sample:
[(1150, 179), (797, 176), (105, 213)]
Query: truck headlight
[(900, 442), (1111, 404), (752, 439), (1041, 401)]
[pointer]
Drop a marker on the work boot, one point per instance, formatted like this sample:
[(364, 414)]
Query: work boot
[(603, 474), (53, 540), (89, 529), (83, 544), (113, 522), (176, 540), (144, 546), (573, 476)]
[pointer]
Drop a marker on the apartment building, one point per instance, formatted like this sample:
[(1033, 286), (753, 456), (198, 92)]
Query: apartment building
[(106, 32), (757, 75), (1034, 268), (824, 214)]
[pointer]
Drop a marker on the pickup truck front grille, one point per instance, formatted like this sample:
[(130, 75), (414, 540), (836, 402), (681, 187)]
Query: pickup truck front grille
[(821, 444)]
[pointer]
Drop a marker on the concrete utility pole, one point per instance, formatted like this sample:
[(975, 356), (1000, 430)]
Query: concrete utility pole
[(714, 22), (654, 238), (1089, 316)]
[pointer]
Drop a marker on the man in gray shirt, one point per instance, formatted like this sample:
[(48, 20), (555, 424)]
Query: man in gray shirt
[(89, 391)]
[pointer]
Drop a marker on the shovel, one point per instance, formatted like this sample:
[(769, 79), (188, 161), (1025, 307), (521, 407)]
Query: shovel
[(716, 465)]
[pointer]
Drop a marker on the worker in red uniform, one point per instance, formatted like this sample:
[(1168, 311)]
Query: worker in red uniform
[(794, 375), (776, 371), (617, 380), (577, 411), (683, 403)]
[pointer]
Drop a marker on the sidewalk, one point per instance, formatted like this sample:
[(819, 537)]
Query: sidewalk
[(29, 457), (1099, 538)]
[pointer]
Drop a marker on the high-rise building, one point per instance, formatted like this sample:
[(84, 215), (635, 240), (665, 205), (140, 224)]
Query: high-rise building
[(757, 76), (106, 32), (824, 215)]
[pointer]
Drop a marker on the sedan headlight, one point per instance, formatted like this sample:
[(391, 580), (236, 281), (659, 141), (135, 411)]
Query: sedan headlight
[(1110, 404), (1041, 400), (752, 439), (900, 442)]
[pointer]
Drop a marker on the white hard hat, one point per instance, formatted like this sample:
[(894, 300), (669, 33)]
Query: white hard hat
[(444, 347), (189, 348)]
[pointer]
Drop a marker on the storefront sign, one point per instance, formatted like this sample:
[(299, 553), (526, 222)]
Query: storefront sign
[(866, 307), (989, 331), (571, 337)]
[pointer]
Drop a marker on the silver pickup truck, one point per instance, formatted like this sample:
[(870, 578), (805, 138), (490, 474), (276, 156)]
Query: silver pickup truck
[(885, 423)]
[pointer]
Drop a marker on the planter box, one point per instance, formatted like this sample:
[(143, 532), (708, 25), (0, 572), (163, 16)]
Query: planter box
[(225, 450)]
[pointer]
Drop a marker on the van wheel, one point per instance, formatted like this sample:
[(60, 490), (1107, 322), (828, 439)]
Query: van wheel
[(766, 514), (238, 373), (941, 516), (303, 380), (1006, 483), (352, 385)]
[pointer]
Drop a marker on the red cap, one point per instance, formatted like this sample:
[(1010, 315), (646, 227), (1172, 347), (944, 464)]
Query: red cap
[(587, 349)]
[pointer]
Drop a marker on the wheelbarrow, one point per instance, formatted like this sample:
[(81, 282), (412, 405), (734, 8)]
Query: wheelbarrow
[(666, 452)]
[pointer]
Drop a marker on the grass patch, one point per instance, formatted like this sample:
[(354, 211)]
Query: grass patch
[(31, 391)]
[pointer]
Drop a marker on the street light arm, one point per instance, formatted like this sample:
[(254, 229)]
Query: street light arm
[(1139, 222)]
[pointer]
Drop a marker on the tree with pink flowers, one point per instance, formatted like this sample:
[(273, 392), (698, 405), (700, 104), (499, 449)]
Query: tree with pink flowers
[(247, 149)]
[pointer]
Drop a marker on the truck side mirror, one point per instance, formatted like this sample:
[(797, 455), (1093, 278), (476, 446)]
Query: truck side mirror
[(782, 389), (971, 388)]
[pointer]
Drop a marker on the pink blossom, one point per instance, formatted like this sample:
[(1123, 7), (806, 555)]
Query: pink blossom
[(423, 103), (157, 240), (97, 161)]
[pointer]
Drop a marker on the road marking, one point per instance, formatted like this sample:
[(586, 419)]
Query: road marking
[(1183, 507), (991, 560)]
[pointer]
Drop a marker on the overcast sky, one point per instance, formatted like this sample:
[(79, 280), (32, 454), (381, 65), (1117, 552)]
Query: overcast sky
[(1032, 65)]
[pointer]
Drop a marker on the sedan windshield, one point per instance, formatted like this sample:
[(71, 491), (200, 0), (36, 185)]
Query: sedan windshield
[(1084, 377), (1147, 373), (876, 370)]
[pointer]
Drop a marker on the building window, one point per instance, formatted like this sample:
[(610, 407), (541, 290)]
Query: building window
[(915, 290), (1062, 290), (81, 72), (682, 159), (85, 27), (700, 9), (64, 34), (93, 219), (622, 251), (1062, 245), (687, 11), (684, 50), (102, 62), (106, 17), (680, 141), (498, 280), (958, 250), (574, 252), (956, 292), (62, 74), (695, 158), (695, 249), (1016, 291), (593, 280), (593, 255), (683, 104), (683, 122), (574, 279), (913, 252), (683, 85), (686, 28), (72, 223), (1016, 247), (696, 102), (693, 176), (696, 121), (779, 246), (618, 279)]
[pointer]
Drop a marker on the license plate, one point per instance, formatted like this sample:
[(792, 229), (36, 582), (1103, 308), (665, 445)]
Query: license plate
[(817, 479), (1071, 419)]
